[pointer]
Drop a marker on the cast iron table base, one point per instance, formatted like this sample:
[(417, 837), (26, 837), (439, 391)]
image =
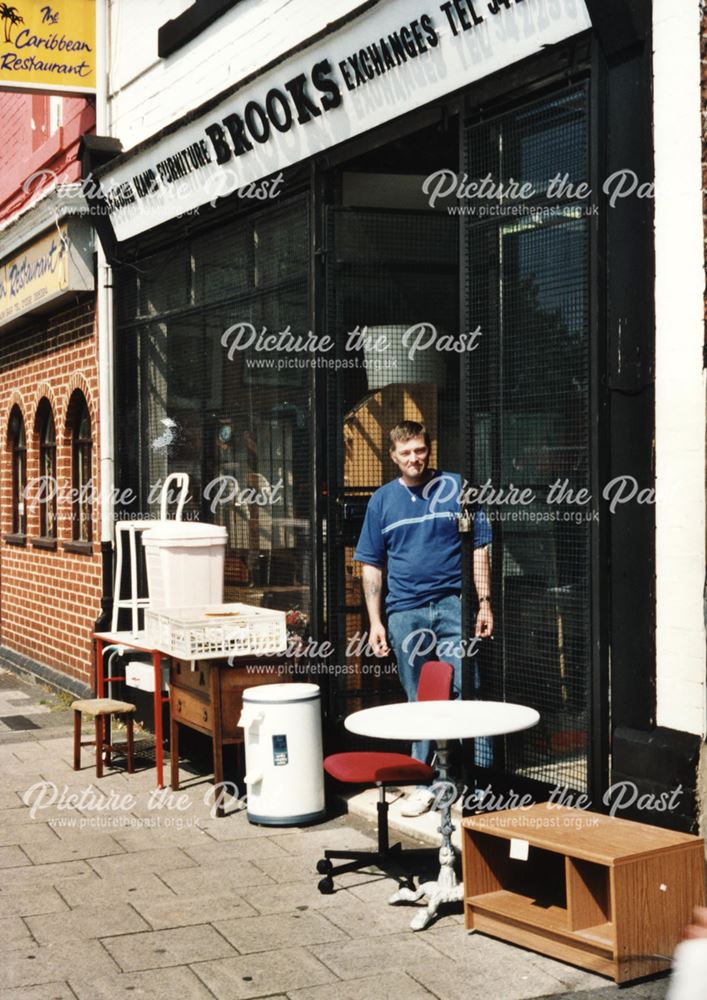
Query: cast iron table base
[(446, 889)]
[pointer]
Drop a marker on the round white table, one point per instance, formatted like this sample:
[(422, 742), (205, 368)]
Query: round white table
[(440, 721)]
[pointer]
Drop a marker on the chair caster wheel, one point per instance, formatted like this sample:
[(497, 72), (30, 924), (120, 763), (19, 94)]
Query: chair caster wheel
[(326, 886), (324, 866)]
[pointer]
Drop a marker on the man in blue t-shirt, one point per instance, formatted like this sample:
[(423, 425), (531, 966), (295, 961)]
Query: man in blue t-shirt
[(411, 531)]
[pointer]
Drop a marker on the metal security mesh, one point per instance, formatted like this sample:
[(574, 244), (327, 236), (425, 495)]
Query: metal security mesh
[(528, 410), (199, 393), (394, 273)]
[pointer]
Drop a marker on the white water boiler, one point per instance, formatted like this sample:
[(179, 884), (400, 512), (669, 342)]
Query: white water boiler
[(283, 754)]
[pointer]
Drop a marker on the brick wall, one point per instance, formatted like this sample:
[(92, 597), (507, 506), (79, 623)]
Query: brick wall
[(31, 155), (49, 600)]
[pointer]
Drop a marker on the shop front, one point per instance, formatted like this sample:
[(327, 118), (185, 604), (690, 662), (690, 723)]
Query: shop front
[(408, 219)]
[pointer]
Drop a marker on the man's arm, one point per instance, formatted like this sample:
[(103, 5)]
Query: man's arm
[(482, 582), (372, 579)]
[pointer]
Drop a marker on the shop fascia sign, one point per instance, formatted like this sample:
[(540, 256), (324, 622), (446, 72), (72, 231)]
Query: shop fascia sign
[(395, 57), (50, 270), (48, 46)]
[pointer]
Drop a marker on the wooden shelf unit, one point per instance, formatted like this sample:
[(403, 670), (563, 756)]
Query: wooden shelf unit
[(600, 892)]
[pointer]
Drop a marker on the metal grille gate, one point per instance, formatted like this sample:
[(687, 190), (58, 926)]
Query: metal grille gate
[(526, 411)]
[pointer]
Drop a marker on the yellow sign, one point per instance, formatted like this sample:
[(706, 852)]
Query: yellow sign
[(47, 46), (39, 274)]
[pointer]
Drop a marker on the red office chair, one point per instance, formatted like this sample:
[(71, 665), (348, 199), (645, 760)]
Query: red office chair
[(383, 769)]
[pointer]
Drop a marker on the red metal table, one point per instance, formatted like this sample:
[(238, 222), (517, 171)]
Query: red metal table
[(140, 643)]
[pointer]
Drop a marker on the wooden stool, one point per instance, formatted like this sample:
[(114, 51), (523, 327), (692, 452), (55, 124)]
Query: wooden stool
[(102, 709)]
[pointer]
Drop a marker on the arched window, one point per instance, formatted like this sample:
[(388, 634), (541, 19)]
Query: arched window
[(81, 464), (18, 448), (47, 484)]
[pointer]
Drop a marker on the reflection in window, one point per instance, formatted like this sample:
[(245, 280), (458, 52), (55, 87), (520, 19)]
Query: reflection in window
[(18, 446), (47, 491), (81, 462)]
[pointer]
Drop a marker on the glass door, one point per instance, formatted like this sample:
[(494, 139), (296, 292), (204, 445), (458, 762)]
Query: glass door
[(388, 272)]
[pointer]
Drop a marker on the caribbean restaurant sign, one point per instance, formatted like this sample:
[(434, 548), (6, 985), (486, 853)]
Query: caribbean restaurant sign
[(48, 46), (392, 58), (53, 268)]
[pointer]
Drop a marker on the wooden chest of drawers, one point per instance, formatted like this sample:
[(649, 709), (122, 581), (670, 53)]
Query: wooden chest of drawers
[(209, 699)]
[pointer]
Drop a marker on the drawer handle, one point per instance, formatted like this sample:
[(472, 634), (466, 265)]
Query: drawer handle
[(206, 716), (179, 705)]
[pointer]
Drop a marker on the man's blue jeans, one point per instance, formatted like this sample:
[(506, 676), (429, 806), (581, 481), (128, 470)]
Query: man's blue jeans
[(431, 632)]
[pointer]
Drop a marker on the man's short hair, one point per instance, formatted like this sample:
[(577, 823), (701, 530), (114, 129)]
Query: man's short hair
[(406, 430)]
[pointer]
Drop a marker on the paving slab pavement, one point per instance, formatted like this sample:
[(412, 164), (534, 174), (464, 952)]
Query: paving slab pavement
[(109, 890)]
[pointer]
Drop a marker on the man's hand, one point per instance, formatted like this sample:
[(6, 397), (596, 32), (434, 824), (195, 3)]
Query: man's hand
[(484, 621), (378, 640), (482, 582), (372, 582)]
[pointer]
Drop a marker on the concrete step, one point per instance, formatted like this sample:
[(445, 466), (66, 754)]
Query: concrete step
[(423, 828)]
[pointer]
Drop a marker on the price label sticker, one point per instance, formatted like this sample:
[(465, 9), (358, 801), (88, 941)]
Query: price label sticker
[(519, 849)]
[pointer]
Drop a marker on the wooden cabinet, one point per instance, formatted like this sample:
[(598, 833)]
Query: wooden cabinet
[(603, 893), (208, 697), (193, 710)]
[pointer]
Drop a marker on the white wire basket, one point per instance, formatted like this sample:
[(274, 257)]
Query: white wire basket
[(216, 630)]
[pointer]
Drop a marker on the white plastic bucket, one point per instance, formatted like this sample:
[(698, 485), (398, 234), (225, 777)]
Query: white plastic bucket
[(283, 754), (185, 563)]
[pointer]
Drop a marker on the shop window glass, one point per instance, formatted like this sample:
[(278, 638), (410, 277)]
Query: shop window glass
[(47, 479), (18, 448), (222, 261), (197, 395), (163, 283), (81, 469)]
